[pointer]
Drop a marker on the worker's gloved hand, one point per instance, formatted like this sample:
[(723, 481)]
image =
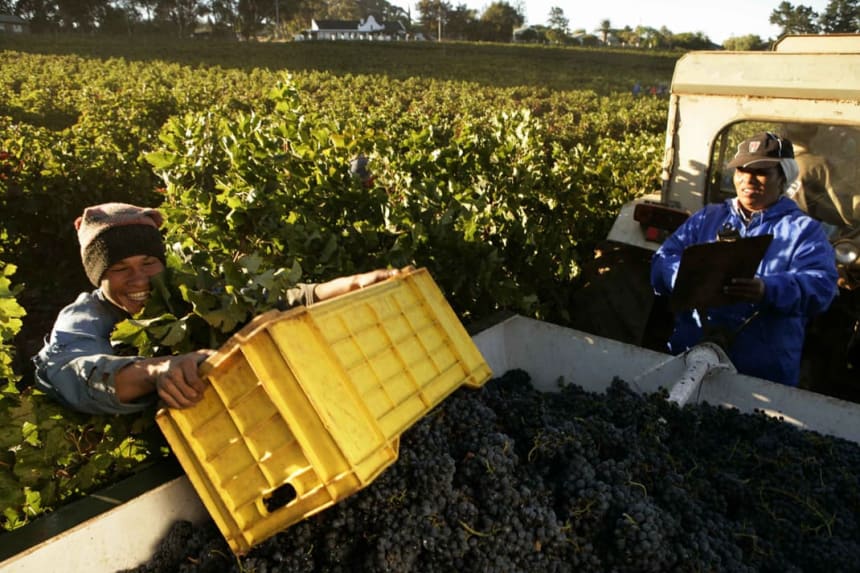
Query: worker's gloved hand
[(178, 382), (748, 290)]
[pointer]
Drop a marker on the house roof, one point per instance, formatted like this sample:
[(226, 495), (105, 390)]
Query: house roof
[(355, 25), (337, 24)]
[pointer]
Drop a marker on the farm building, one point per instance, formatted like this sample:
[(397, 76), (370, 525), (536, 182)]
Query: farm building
[(367, 29)]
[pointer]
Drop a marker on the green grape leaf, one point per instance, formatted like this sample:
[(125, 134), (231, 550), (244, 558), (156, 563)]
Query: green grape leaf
[(160, 160), (30, 432)]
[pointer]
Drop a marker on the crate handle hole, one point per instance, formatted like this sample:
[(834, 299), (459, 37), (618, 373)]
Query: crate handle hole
[(279, 497)]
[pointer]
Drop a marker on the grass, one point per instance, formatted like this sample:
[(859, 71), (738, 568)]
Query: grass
[(604, 71)]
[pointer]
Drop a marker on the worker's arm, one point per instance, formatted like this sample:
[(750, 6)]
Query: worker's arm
[(174, 378), (309, 293), (343, 285), (78, 365), (108, 384), (806, 284), (667, 260)]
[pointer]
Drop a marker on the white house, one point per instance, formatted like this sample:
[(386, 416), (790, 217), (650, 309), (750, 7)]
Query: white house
[(367, 29)]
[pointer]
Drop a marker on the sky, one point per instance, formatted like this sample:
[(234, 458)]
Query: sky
[(718, 20)]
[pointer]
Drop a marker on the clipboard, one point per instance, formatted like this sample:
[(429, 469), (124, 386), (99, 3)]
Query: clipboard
[(707, 267)]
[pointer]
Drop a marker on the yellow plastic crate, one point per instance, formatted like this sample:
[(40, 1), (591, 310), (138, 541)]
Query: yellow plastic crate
[(305, 407)]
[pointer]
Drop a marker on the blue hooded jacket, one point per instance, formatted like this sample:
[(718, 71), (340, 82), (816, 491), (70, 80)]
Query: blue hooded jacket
[(799, 273)]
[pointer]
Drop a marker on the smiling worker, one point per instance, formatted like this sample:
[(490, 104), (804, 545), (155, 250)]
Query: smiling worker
[(121, 250), (795, 280)]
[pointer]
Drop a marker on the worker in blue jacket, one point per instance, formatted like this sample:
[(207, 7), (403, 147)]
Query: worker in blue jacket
[(795, 280)]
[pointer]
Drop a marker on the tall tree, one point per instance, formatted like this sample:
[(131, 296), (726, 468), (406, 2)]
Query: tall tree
[(557, 20), (628, 36), (557, 31), (749, 42), (795, 20), (462, 23), (80, 15), (381, 10), (224, 15), (841, 16), (691, 41), (250, 15), (668, 38), (43, 15), (651, 37), (344, 10), (146, 8), (393, 13), (300, 14), (605, 29), (181, 14), (122, 16), (498, 22), (433, 16)]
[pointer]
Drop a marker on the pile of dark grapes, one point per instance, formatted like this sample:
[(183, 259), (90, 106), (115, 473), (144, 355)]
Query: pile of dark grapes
[(508, 479)]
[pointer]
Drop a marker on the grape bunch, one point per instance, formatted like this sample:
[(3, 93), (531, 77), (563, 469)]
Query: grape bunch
[(509, 479)]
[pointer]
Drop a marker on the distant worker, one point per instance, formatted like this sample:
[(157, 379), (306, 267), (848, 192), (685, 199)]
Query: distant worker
[(795, 280), (358, 168)]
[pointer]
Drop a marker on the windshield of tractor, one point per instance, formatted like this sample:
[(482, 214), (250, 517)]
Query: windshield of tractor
[(828, 157)]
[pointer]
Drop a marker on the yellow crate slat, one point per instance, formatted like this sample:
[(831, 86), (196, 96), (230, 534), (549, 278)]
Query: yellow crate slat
[(306, 407), (326, 386)]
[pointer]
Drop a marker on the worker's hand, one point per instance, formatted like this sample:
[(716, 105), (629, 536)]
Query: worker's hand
[(749, 290), (177, 380)]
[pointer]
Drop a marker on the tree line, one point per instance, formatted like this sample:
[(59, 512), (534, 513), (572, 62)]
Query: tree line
[(500, 21), (839, 16), (181, 18), (249, 19)]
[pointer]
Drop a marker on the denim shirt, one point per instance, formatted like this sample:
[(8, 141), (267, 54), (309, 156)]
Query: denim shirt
[(78, 363)]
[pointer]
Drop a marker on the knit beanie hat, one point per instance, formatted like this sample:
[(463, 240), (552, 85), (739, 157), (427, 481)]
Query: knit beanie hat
[(110, 232)]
